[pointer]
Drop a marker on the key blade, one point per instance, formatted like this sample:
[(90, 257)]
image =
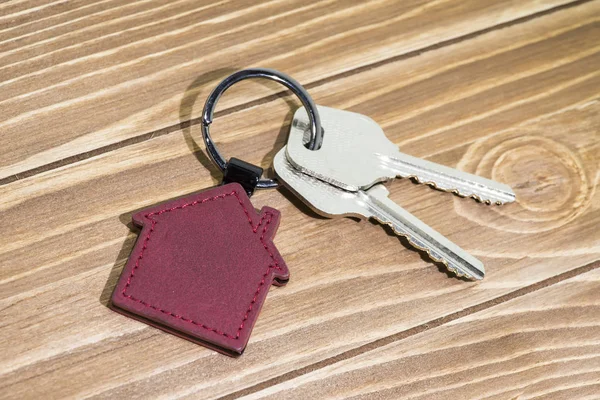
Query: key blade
[(330, 201), (420, 235), (448, 179)]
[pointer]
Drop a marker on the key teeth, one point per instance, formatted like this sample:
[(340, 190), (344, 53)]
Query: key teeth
[(454, 191), (456, 272)]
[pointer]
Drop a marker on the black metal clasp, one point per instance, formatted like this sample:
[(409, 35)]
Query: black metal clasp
[(244, 173)]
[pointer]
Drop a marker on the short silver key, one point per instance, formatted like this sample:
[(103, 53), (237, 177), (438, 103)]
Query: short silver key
[(331, 201), (356, 154)]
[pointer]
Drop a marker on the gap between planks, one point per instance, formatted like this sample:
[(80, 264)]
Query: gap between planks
[(195, 121), (414, 331)]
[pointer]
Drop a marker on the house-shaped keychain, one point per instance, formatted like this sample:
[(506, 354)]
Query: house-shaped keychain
[(202, 266)]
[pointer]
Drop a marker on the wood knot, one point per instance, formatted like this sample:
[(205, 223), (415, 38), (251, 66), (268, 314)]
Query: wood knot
[(548, 177)]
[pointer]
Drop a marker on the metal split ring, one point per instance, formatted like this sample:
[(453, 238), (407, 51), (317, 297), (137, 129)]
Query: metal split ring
[(316, 133)]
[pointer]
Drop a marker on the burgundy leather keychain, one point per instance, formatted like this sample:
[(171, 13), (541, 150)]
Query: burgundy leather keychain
[(203, 264)]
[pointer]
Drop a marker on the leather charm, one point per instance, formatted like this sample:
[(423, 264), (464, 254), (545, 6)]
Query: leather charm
[(202, 266)]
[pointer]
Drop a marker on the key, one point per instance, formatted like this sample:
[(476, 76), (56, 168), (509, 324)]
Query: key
[(331, 201), (356, 154)]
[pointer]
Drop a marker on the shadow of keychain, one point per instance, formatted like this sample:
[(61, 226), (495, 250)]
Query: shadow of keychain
[(202, 265)]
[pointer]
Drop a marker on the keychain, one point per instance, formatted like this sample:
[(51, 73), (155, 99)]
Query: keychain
[(202, 265)]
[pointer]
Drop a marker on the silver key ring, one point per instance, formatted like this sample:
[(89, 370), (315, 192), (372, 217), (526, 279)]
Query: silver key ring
[(316, 133)]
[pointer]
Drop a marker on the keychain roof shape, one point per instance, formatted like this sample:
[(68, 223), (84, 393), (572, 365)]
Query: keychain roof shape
[(202, 267)]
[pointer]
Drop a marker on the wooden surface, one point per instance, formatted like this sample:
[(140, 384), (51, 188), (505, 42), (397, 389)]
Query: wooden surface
[(100, 104), (540, 345)]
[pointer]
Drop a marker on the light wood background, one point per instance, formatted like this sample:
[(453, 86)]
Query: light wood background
[(99, 107)]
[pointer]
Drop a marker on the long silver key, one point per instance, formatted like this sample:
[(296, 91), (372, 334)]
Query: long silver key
[(356, 154), (331, 201)]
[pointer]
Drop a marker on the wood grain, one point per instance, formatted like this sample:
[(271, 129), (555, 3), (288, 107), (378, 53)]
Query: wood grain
[(544, 345), (519, 105), (88, 75)]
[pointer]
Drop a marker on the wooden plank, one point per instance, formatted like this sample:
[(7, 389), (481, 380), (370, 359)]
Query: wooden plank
[(94, 75), (14, 14), (543, 345), (525, 101)]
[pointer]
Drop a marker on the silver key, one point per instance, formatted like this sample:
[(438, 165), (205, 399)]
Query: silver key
[(356, 154), (331, 201)]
